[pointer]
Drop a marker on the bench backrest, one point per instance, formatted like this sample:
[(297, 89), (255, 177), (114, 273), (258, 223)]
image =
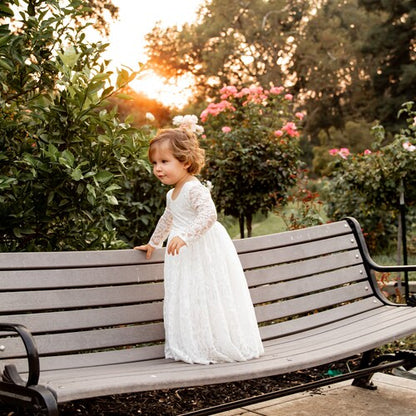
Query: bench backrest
[(104, 303)]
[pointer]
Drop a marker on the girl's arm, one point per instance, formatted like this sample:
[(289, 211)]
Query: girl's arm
[(161, 232), (201, 201), (159, 235)]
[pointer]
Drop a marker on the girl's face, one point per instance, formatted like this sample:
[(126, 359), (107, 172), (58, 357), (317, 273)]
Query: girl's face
[(168, 169)]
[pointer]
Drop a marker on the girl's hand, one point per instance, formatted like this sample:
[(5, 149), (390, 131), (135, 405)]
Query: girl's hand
[(147, 248), (175, 245)]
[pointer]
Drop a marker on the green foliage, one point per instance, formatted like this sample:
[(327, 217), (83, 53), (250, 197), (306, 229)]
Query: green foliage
[(69, 169), (303, 206), (356, 135), (368, 186), (252, 150)]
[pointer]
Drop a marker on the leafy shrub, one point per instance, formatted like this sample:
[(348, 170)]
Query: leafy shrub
[(368, 185), (70, 172), (253, 150)]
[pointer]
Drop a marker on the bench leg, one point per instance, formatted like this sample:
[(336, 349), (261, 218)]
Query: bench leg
[(39, 399), (365, 382)]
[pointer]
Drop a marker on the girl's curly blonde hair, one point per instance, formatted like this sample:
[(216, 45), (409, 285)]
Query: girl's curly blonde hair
[(184, 146)]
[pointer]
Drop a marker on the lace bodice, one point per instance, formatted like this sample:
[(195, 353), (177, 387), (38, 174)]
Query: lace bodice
[(188, 216)]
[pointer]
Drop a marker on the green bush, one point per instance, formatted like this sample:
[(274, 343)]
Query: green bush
[(72, 176), (368, 185)]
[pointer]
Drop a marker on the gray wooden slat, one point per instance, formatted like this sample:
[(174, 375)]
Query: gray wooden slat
[(75, 259), (381, 324), (102, 358), (292, 237), (87, 318), (60, 299), (298, 252), (62, 278), (87, 340), (307, 267), (309, 303), (319, 319), (310, 284)]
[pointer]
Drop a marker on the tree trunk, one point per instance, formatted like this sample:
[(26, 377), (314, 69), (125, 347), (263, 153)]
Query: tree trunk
[(241, 220), (249, 220)]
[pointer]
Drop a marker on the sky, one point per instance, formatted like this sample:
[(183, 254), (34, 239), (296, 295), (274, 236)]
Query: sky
[(136, 19)]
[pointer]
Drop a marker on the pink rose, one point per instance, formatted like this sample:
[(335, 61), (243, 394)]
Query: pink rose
[(226, 129)]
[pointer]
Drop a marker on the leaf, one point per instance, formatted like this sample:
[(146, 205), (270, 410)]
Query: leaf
[(5, 11), (103, 176), (69, 157), (76, 174), (113, 187), (112, 199)]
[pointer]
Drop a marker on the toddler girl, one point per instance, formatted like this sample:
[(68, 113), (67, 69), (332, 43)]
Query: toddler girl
[(208, 313)]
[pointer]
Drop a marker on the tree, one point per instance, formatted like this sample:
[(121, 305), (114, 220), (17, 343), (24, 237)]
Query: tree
[(69, 169), (330, 71), (232, 43), (391, 45), (252, 151)]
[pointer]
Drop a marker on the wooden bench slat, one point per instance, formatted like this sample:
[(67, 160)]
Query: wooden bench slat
[(350, 330), (288, 238), (94, 276), (88, 340), (304, 304), (289, 271), (72, 298), (319, 319), (281, 290), (88, 318), (75, 259), (298, 252), (91, 359)]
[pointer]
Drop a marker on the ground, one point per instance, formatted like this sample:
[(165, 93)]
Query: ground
[(179, 401)]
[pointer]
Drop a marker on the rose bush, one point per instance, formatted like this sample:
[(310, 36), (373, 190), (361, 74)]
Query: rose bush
[(252, 144), (367, 186)]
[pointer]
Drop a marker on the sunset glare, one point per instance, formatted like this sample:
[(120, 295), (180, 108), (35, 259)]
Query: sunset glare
[(136, 19)]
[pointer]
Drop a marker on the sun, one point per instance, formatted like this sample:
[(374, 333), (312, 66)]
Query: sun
[(171, 93)]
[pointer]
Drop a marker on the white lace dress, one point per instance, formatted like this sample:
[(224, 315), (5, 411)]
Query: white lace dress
[(208, 313)]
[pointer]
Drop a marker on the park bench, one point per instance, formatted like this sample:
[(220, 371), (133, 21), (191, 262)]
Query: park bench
[(77, 325)]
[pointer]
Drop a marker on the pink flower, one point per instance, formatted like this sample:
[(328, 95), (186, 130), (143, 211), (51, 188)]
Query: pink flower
[(226, 129), (276, 90), (344, 152), (289, 97), (228, 91), (367, 152), (214, 109), (291, 129), (278, 133), (300, 115)]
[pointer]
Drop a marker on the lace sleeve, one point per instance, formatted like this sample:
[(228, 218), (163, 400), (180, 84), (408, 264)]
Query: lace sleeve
[(201, 201), (162, 229)]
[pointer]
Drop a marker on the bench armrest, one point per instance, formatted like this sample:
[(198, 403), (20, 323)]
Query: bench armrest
[(10, 372), (366, 254)]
